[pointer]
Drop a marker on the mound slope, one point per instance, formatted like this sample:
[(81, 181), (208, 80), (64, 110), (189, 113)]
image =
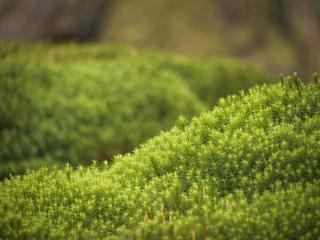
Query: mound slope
[(249, 169)]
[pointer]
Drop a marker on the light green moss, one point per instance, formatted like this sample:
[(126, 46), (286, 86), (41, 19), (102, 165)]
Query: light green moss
[(248, 169)]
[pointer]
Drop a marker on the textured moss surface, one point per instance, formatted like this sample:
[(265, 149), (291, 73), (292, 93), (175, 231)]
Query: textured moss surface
[(248, 169)]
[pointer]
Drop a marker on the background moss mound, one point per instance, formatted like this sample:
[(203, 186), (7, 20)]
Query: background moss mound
[(76, 103), (80, 111), (214, 79), (249, 169)]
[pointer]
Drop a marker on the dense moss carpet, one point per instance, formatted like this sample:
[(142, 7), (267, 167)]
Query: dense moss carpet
[(248, 169)]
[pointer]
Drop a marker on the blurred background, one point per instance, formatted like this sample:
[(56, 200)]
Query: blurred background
[(280, 35)]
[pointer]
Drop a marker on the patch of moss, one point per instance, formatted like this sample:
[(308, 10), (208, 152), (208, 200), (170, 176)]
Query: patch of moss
[(75, 103), (248, 169)]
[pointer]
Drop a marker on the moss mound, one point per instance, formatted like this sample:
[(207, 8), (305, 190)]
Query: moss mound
[(213, 79), (80, 111), (210, 79), (249, 169), (76, 103)]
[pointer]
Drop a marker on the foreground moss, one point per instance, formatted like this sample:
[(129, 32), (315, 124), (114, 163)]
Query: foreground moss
[(249, 169), (74, 103)]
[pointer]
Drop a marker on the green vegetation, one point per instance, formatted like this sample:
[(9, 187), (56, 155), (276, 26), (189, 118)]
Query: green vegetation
[(75, 103), (248, 169), (214, 79)]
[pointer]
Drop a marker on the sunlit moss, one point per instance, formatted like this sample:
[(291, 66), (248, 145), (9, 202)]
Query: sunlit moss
[(248, 169)]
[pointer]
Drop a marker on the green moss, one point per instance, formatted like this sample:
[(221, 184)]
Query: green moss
[(217, 78), (76, 103), (248, 169), (77, 112)]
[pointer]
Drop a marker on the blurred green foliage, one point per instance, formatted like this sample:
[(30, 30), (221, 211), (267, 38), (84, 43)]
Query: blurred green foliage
[(90, 109), (75, 103), (248, 169), (214, 79)]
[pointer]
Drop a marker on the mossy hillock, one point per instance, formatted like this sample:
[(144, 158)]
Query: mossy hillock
[(75, 103), (248, 169)]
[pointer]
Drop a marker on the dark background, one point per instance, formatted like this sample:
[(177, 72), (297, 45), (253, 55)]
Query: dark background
[(280, 35)]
